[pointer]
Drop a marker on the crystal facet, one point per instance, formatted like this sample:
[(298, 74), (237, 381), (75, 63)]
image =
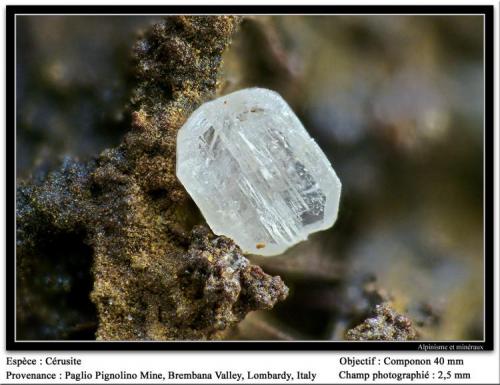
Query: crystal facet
[(255, 173)]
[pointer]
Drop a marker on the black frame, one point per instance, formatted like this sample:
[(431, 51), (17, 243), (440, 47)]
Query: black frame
[(486, 10)]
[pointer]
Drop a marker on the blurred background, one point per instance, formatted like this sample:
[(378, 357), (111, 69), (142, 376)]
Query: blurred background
[(395, 102)]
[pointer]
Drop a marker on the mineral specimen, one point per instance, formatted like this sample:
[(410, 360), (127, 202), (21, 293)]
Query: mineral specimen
[(106, 249), (255, 173), (385, 325)]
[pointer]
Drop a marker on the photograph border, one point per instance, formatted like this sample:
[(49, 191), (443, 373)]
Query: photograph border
[(488, 205)]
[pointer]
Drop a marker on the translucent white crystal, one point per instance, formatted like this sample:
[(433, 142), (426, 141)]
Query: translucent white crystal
[(255, 173)]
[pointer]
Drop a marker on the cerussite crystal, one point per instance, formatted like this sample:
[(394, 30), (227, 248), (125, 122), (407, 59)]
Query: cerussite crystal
[(255, 173)]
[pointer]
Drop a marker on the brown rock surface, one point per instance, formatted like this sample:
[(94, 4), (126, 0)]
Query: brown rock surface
[(154, 278)]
